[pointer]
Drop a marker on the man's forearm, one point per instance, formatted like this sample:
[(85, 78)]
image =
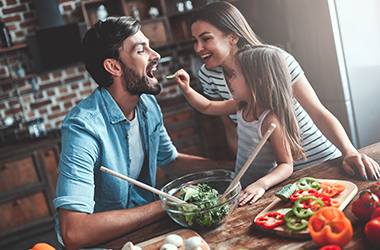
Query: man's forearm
[(80, 230)]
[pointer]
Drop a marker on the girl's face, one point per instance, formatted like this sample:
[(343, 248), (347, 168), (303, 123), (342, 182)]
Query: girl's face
[(211, 44), (239, 87)]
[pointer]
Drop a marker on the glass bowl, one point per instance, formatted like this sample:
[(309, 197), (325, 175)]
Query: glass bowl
[(190, 216)]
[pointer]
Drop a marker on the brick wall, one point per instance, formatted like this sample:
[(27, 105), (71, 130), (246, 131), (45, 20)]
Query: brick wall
[(51, 95)]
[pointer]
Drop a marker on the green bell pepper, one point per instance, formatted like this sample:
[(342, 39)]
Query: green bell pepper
[(308, 183), (303, 208), (295, 223)]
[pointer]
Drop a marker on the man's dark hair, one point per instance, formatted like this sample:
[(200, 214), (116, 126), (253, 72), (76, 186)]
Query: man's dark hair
[(103, 41)]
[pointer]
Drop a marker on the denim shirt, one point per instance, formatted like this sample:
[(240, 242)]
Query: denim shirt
[(95, 134)]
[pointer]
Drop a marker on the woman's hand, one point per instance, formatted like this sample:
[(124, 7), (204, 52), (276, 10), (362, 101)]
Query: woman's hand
[(251, 194), (363, 163), (183, 80)]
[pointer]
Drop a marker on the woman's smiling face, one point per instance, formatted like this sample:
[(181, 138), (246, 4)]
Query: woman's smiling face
[(211, 44)]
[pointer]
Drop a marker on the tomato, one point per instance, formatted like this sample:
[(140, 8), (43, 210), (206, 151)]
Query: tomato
[(376, 213), (329, 226), (372, 231), (330, 247), (364, 206), (375, 188)]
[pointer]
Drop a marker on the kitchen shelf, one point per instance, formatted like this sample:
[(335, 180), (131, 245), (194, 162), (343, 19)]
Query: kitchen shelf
[(19, 79), (170, 27), (186, 12), (14, 47)]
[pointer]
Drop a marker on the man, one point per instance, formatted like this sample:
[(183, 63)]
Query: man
[(120, 127)]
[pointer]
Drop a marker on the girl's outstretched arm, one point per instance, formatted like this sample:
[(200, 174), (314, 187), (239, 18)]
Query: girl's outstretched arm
[(201, 103), (284, 167)]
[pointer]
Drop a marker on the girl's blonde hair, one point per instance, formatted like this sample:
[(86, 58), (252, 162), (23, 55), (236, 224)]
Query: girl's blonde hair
[(267, 75)]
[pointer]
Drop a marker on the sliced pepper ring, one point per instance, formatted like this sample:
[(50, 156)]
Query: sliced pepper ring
[(308, 183), (295, 223), (329, 191), (334, 203), (302, 193), (307, 206), (340, 187), (271, 220)]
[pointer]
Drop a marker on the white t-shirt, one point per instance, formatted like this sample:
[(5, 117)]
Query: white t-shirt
[(136, 148)]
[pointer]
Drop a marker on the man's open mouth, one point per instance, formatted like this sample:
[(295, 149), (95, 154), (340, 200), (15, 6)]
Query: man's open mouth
[(149, 73), (151, 68)]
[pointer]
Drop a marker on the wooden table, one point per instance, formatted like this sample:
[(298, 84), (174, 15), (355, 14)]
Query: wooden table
[(239, 232)]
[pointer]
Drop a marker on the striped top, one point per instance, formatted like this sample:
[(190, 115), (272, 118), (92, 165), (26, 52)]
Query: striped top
[(249, 136), (317, 147)]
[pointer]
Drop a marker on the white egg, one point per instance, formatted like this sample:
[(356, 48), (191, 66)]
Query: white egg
[(174, 239), (130, 246), (193, 243), (168, 247)]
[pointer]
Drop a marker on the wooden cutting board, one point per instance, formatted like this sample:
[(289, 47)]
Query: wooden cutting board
[(345, 197), (156, 243)]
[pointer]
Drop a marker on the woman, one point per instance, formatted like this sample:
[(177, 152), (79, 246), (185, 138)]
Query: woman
[(218, 31)]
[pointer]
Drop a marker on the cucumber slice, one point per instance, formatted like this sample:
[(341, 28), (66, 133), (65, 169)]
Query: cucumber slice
[(284, 210), (171, 76), (286, 192)]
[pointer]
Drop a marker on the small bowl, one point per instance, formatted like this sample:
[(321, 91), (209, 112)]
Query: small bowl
[(191, 216)]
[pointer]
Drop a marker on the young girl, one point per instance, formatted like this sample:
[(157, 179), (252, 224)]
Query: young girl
[(262, 95), (218, 31)]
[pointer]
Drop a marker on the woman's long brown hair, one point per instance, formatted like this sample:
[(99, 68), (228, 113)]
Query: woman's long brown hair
[(227, 18)]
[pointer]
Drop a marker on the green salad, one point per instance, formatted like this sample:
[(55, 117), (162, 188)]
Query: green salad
[(203, 197)]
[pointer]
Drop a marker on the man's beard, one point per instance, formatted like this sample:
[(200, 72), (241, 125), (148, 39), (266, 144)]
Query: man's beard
[(137, 85)]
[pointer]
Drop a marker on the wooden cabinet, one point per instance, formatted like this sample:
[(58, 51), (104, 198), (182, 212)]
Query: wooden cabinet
[(171, 25), (156, 28), (28, 177)]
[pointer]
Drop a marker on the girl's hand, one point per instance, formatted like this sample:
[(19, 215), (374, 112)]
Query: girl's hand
[(251, 194), (183, 80)]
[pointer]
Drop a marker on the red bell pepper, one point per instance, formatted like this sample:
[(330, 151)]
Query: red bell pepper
[(271, 220), (302, 193)]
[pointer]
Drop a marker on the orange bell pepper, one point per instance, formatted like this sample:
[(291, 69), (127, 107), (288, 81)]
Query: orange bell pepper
[(340, 187), (42, 246), (329, 226), (335, 203)]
